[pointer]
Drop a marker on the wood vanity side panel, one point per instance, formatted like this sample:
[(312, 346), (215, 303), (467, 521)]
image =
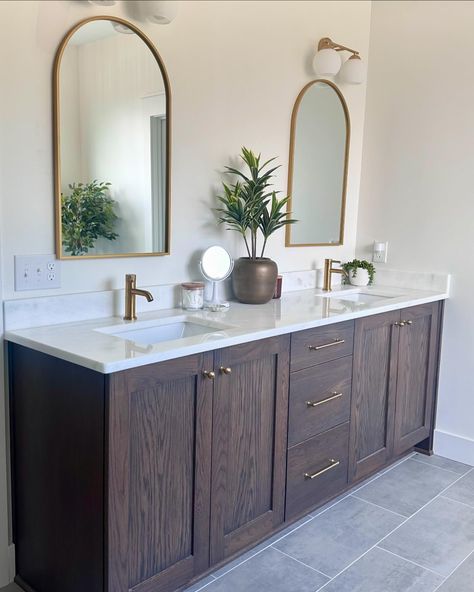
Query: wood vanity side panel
[(249, 444), (417, 372), (57, 421), (374, 384), (159, 474)]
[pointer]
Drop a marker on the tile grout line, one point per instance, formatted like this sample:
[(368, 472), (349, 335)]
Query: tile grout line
[(414, 563), (454, 570), (378, 506), (458, 502), (421, 462), (302, 563), (375, 477), (395, 529)]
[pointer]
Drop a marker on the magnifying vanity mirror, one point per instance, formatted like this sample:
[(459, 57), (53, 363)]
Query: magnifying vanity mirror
[(216, 265), (319, 150), (112, 109)]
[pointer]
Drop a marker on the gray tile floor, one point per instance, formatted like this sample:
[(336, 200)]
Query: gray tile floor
[(408, 529)]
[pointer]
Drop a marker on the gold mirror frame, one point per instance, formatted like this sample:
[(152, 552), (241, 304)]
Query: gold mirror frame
[(294, 116), (57, 140)]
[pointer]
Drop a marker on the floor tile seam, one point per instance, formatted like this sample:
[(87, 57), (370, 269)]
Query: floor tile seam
[(427, 464), (471, 507), (414, 563), (361, 499), (389, 533), (303, 563), (454, 570)]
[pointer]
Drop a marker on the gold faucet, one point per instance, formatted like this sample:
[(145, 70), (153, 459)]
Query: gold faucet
[(328, 271), (131, 292)]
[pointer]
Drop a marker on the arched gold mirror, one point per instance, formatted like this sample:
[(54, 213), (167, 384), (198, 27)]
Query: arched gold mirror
[(112, 121), (317, 179)]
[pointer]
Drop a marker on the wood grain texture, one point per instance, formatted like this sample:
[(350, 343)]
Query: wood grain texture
[(316, 384), (159, 474), (417, 370), (311, 456), (304, 357), (373, 392), (57, 414), (249, 442)]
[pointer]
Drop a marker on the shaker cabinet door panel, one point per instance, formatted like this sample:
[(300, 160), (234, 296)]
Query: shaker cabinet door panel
[(416, 379), (159, 474), (249, 443), (373, 392)]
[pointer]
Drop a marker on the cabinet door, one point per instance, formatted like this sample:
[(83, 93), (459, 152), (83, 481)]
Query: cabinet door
[(249, 444), (373, 393), (159, 450), (416, 383)]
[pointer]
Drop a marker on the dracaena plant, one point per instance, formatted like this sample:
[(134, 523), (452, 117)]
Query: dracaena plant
[(248, 206)]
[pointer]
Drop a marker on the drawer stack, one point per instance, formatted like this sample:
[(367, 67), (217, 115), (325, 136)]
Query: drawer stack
[(319, 412)]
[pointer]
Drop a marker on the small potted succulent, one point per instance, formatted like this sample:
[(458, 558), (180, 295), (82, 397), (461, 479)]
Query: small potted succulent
[(251, 209), (359, 272)]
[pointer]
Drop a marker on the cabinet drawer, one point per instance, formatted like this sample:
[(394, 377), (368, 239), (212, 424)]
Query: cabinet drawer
[(320, 398), (317, 469), (322, 344)]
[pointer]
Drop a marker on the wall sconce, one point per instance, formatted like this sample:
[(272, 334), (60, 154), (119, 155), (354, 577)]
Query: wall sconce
[(327, 62), (160, 12)]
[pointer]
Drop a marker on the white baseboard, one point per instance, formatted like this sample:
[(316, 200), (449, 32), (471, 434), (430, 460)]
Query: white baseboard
[(454, 447)]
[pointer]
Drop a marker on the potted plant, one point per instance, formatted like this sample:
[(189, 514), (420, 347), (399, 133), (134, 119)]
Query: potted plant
[(250, 208), (359, 272), (86, 215)]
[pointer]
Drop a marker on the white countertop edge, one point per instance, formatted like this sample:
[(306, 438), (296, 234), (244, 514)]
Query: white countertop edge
[(242, 337)]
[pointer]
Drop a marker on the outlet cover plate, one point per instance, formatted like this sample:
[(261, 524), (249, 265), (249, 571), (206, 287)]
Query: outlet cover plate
[(37, 272)]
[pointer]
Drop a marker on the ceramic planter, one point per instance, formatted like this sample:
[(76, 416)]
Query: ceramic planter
[(361, 278), (253, 280)]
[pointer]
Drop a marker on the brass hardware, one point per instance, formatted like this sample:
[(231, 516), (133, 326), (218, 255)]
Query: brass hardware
[(399, 323), (291, 166), (408, 322), (57, 140), (327, 43), (328, 271), (209, 374), (331, 344), (333, 465), (131, 292), (225, 370), (331, 398)]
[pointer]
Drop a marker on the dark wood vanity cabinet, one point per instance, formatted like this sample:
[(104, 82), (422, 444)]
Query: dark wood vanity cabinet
[(159, 471), (144, 479), (394, 385)]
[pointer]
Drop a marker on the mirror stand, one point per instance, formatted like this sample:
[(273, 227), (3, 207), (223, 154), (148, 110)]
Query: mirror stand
[(216, 265)]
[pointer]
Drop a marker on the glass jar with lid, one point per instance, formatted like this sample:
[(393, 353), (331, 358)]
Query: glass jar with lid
[(192, 295)]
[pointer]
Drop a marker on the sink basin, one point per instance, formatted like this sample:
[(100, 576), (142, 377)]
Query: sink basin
[(169, 329), (358, 296)]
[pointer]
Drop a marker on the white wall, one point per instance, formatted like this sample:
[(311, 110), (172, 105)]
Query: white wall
[(236, 69), (418, 176)]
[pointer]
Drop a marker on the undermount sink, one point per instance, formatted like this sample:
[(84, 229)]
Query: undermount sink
[(169, 329), (359, 296)]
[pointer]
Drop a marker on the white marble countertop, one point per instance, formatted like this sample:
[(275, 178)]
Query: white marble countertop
[(89, 343)]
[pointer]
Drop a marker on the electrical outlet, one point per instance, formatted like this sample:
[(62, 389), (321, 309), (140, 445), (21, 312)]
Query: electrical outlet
[(379, 253), (37, 272)]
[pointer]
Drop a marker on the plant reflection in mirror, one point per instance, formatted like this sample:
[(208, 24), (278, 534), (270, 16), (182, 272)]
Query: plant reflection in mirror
[(87, 214)]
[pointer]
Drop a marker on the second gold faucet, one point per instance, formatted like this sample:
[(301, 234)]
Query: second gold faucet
[(328, 271)]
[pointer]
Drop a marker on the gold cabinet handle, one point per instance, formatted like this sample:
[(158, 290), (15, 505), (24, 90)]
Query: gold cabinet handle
[(334, 395), (400, 323), (333, 465), (408, 322), (209, 374), (331, 344), (225, 370)]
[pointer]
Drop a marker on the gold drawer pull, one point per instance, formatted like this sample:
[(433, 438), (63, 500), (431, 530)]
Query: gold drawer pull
[(333, 465), (326, 400), (209, 374), (318, 347), (225, 370)]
